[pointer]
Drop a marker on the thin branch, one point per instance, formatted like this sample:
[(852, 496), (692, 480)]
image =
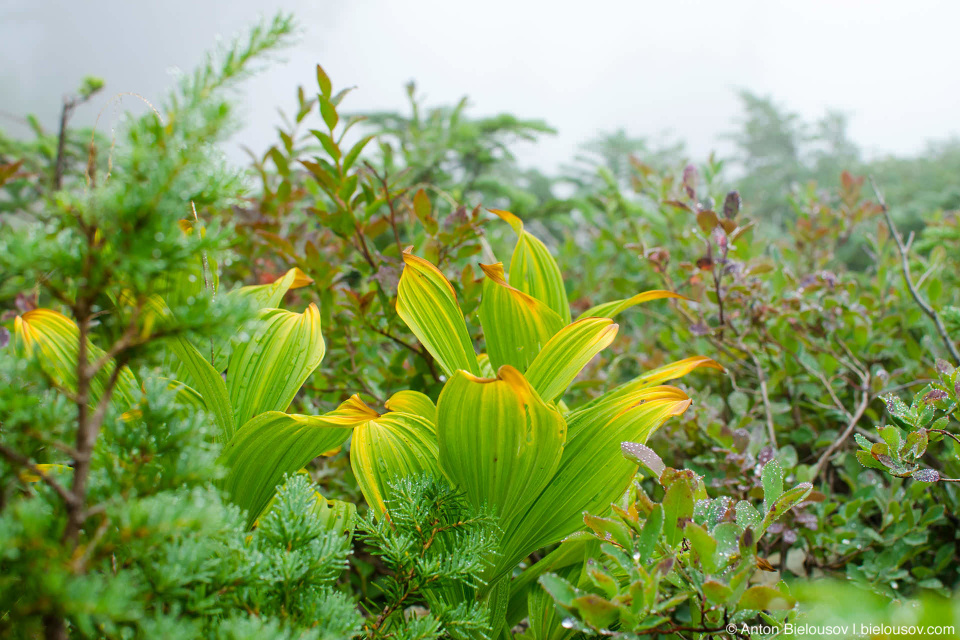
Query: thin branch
[(945, 433), (390, 205), (771, 433), (24, 462), (905, 266), (69, 104), (861, 408)]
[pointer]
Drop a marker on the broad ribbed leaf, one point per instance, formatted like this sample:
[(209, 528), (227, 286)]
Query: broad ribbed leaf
[(186, 395), (653, 377), (427, 303), (515, 325), (209, 384), (266, 372), (592, 473), (269, 296), (498, 440), (414, 402), (196, 370), (533, 270), (273, 444), (260, 296), (569, 351), (568, 555), (395, 445), (611, 309), (55, 340), (486, 369)]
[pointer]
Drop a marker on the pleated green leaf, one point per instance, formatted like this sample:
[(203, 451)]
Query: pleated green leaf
[(186, 395), (515, 325), (269, 296), (656, 376), (592, 473), (486, 369), (414, 402), (209, 384), (55, 340), (266, 372), (389, 447), (195, 371), (274, 443), (260, 296), (533, 270), (611, 309), (427, 303), (567, 353), (498, 440)]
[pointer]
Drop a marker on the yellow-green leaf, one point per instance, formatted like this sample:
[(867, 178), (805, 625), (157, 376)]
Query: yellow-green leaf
[(499, 442), (266, 372), (515, 325), (414, 402), (54, 339), (656, 376), (28, 475), (197, 370), (274, 443), (186, 395), (533, 270), (260, 296), (611, 309), (209, 384), (581, 483), (391, 446), (486, 369), (569, 351), (269, 296), (427, 303)]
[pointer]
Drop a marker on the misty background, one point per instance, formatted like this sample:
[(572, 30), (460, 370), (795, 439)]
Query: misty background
[(663, 70)]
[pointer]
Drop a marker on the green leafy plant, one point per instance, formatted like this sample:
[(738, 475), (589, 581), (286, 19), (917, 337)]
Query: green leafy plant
[(682, 565), (904, 442), (507, 440)]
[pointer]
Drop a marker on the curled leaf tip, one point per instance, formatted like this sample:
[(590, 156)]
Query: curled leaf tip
[(300, 279), (356, 405), (509, 218), (494, 272)]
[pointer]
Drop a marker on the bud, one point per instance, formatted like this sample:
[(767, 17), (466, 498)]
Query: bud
[(731, 206)]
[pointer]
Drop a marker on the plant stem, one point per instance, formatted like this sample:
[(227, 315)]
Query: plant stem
[(905, 267)]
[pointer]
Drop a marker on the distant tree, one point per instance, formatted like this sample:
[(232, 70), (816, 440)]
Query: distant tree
[(612, 152), (472, 157), (778, 151)]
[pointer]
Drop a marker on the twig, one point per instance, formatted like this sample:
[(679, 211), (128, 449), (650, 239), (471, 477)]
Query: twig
[(945, 433), (771, 433), (23, 461), (69, 104), (386, 196), (861, 408), (905, 265)]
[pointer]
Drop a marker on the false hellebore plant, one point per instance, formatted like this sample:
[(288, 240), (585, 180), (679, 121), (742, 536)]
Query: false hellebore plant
[(500, 431)]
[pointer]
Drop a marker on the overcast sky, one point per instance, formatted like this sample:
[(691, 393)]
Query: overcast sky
[(649, 67)]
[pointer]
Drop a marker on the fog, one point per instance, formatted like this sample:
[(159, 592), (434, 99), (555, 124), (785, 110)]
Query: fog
[(660, 69)]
